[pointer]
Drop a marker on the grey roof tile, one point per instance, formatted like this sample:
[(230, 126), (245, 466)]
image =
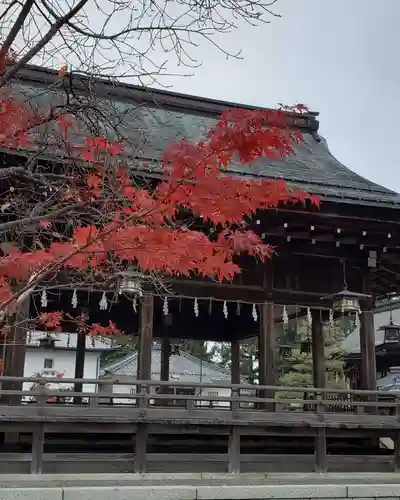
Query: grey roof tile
[(183, 367), (148, 128)]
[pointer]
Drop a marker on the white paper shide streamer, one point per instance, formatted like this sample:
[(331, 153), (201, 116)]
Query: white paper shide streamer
[(165, 307), (254, 313), (225, 309), (43, 299), (285, 316), (309, 316), (196, 308), (134, 304), (103, 302), (74, 300), (357, 320), (331, 320)]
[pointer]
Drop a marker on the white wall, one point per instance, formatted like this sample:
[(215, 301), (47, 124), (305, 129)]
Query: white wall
[(64, 362), (63, 359)]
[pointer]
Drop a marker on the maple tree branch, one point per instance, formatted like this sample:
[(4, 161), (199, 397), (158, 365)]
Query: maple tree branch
[(16, 28), (61, 21), (12, 225), (9, 7)]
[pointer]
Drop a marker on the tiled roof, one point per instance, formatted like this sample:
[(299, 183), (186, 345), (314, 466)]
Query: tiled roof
[(183, 367), (150, 120), (390, 382)]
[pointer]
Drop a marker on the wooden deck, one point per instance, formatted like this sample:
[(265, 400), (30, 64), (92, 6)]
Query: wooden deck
[(155, 431)]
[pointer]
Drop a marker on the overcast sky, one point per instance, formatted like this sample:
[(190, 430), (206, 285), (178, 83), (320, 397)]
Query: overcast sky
[(340, 57)]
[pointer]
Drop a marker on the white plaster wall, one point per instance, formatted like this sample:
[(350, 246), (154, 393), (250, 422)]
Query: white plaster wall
[(64, 361)]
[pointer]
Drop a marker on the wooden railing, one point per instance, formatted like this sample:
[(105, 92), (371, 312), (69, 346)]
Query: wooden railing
[(244, 397), (314, 412)]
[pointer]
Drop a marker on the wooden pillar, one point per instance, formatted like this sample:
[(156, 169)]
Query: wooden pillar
[(14, 355), (267, 351), (164, 372), (318, 350), (79, 363), (141, 448), (165, 347), (235, 362), (235, 372), (319, 381), (234, 450), (367, 336), (321, 458), (396, 458), (145, 342), (37, 449)]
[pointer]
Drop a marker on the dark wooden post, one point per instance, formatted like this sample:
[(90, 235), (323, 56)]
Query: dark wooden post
[(396, 461), (318, 350), (141, 448), (367, 336), (14, 355), (165, 347), (164, 375), (235, 362), (267, 345), (320, 451), (145, 344), (319, 381), (37, 449), (79, 363), (234, 450), (235, 372)]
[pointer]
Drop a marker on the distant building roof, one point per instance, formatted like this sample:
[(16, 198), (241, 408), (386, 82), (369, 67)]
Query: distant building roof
[(182, 367), (149, 120), (67, 341), (390, 382)]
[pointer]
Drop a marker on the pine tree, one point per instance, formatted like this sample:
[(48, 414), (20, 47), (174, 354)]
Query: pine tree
[(296, 366)]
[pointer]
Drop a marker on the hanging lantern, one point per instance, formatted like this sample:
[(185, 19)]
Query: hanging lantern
[(392, 332), (47, 342), (346, 302), (305, 347), (131, 283)]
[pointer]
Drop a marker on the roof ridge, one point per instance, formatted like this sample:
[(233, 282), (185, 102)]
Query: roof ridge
[(167, 98), (207, 363), (130, 357)]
